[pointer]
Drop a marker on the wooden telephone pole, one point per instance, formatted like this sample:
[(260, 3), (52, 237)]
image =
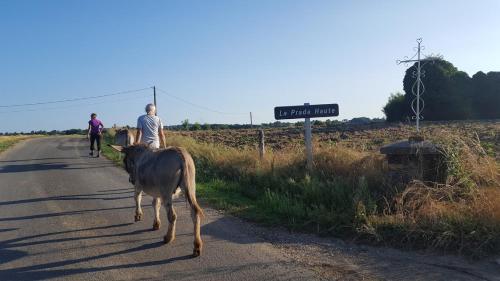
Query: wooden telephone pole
[(154, 100)]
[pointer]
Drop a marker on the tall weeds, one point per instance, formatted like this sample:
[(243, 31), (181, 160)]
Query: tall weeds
[(348, 195)]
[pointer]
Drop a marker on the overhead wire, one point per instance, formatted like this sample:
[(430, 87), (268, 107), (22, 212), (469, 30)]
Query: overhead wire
[(76, 99), (69, 106), (197, 105), (161, 91)]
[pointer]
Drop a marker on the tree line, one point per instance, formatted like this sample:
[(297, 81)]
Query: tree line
[(450, 94), (49, 133), (187, 126)]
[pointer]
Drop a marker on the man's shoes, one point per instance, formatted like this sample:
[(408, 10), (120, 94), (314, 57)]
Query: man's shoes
[(91, 153)]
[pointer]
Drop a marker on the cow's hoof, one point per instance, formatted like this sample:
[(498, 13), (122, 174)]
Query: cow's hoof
[(156, 225), (138, 217), (196, 252), (167, 239)]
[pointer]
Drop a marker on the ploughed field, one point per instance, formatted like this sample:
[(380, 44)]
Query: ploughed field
[(369, 137)]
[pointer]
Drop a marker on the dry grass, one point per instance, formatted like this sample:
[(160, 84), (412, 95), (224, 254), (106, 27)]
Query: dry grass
[(8, 141), (349, 195), (441, 218), (461, 216), (468, 162)]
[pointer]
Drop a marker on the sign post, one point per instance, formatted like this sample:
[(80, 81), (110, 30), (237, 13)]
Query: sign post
[(307, 112), (308, 141)]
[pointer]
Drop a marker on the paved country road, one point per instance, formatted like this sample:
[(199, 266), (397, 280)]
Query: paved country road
[(66, 216)]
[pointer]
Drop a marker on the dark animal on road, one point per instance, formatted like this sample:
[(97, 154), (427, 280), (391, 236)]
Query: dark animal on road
[(159, 173)]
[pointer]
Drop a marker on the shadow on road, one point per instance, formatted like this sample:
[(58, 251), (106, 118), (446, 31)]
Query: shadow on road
[(46, 271), (68, 213), (42, 271), (116, 190), (18, 242), (7, 254), (40, 167), (41, 159), (10, 255), (91, 196)]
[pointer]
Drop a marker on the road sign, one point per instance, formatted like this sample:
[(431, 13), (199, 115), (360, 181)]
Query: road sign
[(306, 111)]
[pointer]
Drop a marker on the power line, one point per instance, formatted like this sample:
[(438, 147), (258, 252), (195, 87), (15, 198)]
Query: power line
[(76, 99), (197, 105), (108, 95), (69, 106)]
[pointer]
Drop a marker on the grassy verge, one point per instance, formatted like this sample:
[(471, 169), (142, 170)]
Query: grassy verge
[(8, 141), (109, 152), (349, 196)]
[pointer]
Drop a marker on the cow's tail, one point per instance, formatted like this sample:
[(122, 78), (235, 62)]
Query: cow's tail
[(188, 181)]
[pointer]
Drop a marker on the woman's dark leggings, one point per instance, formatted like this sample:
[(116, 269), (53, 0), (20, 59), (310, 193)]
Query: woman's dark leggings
[(95, 138)]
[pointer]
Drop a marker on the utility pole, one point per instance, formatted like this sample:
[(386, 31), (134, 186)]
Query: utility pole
[(154, 100)]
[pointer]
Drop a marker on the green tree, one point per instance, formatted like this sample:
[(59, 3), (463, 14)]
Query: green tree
[(185, 124), (196, 127), (449, 94), (486, 95), (206, 126), (318, 123), (396, 108), (436, 80)]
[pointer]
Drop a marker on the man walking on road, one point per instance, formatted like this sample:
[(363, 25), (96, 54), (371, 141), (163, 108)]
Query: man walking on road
[(94, 133), (150, 129)]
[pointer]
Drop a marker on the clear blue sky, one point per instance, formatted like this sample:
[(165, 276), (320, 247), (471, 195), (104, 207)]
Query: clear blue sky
[(231, 56)]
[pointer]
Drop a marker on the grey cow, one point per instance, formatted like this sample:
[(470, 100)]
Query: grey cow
[(159, 173)]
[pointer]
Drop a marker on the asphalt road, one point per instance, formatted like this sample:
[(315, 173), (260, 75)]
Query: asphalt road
[(66, 216)]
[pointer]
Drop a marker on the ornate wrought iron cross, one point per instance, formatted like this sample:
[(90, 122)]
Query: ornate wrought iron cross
[(418, 88)]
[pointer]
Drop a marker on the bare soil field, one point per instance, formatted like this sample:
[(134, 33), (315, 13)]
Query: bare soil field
[(368, 137)]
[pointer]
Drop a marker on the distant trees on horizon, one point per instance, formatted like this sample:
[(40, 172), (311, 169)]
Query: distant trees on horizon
[(187, 126), (450, 94), (196, 126), (50, 133)]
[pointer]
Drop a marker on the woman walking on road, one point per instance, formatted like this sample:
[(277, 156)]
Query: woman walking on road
[(95, 133)]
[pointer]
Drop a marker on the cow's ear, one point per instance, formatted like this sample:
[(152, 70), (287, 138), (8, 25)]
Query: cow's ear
[(118, 148)]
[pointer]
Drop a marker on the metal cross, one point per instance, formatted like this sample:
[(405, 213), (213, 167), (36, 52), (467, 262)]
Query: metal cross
[(418, 89)]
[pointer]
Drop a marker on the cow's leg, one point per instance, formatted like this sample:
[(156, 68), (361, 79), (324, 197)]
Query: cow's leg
[(198, 244), (172, 218), (156, 207), (138, 209)]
